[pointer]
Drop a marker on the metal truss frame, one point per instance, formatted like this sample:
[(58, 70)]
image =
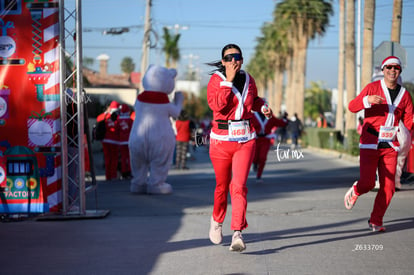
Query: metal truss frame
[(74, 187)]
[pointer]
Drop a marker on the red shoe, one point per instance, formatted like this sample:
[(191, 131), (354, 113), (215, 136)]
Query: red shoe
[(350, 197)]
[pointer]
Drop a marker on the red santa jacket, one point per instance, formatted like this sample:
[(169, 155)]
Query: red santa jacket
[(265, 126), (386, 114), (111, 128), (124, 126), (183, 130), (227, 103)]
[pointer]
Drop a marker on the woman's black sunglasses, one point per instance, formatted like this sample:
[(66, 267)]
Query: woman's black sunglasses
[(230, 57)]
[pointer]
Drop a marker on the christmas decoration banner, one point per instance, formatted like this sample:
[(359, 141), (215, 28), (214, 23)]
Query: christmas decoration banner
[(29, 106)]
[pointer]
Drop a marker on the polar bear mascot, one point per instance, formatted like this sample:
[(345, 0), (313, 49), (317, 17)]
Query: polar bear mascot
[(152, 139)]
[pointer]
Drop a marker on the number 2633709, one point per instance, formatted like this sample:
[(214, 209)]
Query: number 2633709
[(368, 247)]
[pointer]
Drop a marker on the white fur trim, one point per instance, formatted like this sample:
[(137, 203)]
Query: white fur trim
[(366, 103), (390, 61), (226, 83), (368, 146), (226, 137)]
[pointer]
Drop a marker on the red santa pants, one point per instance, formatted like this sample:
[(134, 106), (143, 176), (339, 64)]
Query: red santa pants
[(385, 160), (87, 161), (111, 160), (262, 149), (231, 162), (125, 162)]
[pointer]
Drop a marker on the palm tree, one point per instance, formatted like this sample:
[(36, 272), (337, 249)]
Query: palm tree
[(306, 19), (170, 48), (396, 21), (127, 65), (281, 51), (368, 42), (339, 122), (319, 100), (350, 122), (257, 67), (271, 54)]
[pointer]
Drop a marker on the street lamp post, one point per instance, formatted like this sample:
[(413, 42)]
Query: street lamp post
[(145, 43), (177, 27)]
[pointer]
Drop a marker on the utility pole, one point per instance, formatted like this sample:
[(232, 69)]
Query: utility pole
[(358, 50), (191, 57), (339, 123), (146, 42)]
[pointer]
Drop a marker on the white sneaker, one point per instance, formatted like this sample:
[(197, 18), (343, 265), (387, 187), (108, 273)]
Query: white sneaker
[(215, 234), (138, 189), (350, 197), (160, 189), (237, 243)]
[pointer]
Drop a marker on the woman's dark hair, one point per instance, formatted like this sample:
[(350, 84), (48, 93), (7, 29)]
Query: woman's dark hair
[(219, 66)]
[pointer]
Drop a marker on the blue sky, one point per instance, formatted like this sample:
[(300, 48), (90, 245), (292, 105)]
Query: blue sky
[(206, 26)]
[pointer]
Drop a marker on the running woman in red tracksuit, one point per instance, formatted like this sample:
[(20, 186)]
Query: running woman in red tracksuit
[(385, 103), (232, 95), (264, 127)]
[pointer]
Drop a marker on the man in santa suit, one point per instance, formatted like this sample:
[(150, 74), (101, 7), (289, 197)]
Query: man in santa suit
[(124, 128), (110, 143), (385, 103), (264, 134)]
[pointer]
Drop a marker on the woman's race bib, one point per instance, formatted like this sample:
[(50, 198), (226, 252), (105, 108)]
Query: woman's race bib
[(239, 130), (387, 133)]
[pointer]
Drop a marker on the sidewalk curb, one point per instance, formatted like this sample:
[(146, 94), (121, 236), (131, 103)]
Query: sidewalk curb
[(334, 153)]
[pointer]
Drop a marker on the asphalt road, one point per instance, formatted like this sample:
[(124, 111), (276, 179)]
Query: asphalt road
[(297, 225)]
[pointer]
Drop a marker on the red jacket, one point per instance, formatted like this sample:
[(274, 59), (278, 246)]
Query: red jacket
[(386, 114), (265, 126), (124, 128), (183, 130), (227, 103), (111, 128)]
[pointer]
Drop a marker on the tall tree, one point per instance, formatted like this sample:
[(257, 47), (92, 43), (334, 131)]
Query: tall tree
[(170, 48), (127, 65), (257, 67), (318, 100), (270, 57), (368, 42), (350, 122), (306, 20), (281, 53), (396, 21), (339, 122)]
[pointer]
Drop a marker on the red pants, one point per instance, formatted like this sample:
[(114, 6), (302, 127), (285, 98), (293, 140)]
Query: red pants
[(410, 159), (385, 160), (231, 162), (125, 162), (111, 160), (262, 149)]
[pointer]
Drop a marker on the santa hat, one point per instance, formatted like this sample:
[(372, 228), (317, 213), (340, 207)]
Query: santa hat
[(390, 60), (124, 108), (114, 105)]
